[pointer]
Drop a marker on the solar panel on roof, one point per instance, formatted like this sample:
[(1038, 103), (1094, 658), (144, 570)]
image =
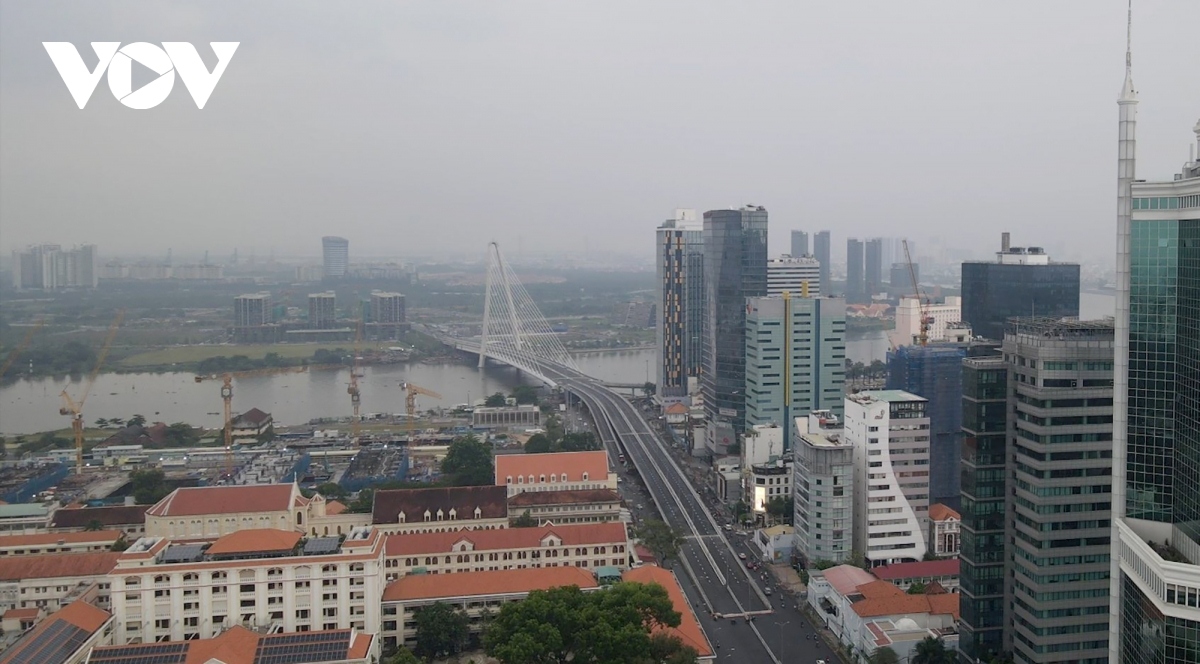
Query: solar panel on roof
[(321, 545), (158, 653), (300, 647), (183, 553), (53, 645)]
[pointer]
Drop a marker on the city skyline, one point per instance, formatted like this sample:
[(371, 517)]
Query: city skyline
[(342, 99)]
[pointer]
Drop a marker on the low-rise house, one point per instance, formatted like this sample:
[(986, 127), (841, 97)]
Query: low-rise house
[(561, 507), (20, 620), (775, 543), (440, 509), (944, 537), (25, 518), (66, 637), (589, 545), (927, 572), (129, 519), (51, 581), (676, 413), (250, 424), (555, 471)]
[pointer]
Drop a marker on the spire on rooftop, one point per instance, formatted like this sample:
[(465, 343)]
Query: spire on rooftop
[(1127, 91)]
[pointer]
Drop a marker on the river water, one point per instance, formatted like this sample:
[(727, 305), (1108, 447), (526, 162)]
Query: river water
[(29, 406)]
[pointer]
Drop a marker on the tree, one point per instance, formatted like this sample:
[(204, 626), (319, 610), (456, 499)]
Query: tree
[(94, 525), (136, 421), (857, 559), (495, 401), (181, 434), (660, 538), (120, 545), (524, 521), (554, 429), (469, 462), (884, 655), (824, 564), (101, 422), (525, 394), (441, 631), (649, 389), (584, 441), (781, 508), (538, 443), (403, 656), (668, 648), (917, 588), (117, 422), (148, 486), (568, 625), (331, 490), (931, 650), (363, 503)]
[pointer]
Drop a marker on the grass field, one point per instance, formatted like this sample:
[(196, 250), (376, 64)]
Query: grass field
[(193, 354)]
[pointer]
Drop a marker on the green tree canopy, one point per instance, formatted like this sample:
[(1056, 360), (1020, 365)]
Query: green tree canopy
[(884, 655), (441, 631), (402, 656), (538, 443), (524, 521), (917, 588), (780, 508), (525, 394), (568, 625), (469, 462), (363, 503), (584, 441), (148, 486), (931, 650), (331, 490), (136, 421), (660, 538), (181, 434), (495, 400), (649, 389)]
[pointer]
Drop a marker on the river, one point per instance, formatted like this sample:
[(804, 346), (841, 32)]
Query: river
[(29, 406)]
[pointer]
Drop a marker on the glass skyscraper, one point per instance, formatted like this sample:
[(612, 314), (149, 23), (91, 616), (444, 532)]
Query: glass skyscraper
[(856, 287), (1020, 283), (821, 253), (735, 268), (799, 243), (680, 265)]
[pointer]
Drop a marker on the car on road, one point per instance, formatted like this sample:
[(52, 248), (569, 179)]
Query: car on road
[(742, 556), (767, 592), (728, 527), (820, 661)]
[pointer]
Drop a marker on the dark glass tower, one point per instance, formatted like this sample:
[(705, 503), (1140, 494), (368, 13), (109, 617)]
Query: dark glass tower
[(873, 266), (735, 268), (799, 243), (981, 575), (1021, 282), (856, 287), (935, 372), (681, 301), (821, 253)]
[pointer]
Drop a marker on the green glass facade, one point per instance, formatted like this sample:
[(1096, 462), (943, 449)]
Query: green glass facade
[(1149, 637), (981, 576), (1163, 459)]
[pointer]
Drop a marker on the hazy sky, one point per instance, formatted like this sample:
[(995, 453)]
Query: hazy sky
[(433, 126)]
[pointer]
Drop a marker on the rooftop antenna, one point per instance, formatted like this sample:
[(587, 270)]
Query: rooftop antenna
[(1129, 38)]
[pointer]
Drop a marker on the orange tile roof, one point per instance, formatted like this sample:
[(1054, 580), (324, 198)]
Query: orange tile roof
[(255, 541), (845, 578), (676, 409), (689, 630), (573, 464), (233, 646), (495, 582), (944, 603), (939, 512), (194, 501), (334, 508), (56, 565), (878, 589), (506, 538), (918, 570), (51, 539), (78, 613), (880, 602), (361, 646), (238, 645), (17, 614)]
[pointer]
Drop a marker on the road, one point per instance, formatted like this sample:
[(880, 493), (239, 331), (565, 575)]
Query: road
[(715, 578)]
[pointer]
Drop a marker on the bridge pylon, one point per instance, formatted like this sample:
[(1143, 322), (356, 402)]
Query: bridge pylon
[(514, 329)]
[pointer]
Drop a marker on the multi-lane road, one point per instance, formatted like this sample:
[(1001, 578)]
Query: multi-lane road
[(715, 577)]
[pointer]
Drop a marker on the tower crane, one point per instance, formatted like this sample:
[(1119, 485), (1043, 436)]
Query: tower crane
[(12, 356), (410, 404), (74, 409), (922, 300), (227, 396), (352, 390)]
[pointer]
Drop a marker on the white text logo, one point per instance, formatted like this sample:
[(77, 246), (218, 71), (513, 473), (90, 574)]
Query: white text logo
[(118, 60)]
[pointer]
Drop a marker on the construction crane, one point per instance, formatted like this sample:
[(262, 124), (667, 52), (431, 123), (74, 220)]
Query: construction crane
[(74, 408), (922, 300), (410, 404), (12, 357), (352, 390), (227, 396)]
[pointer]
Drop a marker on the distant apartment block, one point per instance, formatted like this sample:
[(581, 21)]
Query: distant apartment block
[(322, 311), (336, 254), (890, 433), (941, 326), (387, 308), (821, 252), (49, 267), (252, 310), (799, 243), (823, 488), (856, 285), (524, 416), (799, 275), (115, 270), (873, 265)]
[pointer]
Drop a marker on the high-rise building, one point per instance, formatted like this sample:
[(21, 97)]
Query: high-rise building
[(935, 372), (680, 248), (336, 252), (821, 252), (799, 275), (856, 287), (901, 278), (982, 555), (795, 358), (873, 266), (252, 310), (822, 489), (735, 268), (50, 267), (889, 430), (387, 308), (799, 243), (322, 310), (1155, 592), (942, 320), (1021, 282), (1058, 510)]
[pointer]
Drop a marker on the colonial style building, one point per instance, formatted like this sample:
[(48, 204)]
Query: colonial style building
[(555, 471), (442, 509), (562, 507)]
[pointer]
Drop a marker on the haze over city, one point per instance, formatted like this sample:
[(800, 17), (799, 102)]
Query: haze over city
[(409, 127)]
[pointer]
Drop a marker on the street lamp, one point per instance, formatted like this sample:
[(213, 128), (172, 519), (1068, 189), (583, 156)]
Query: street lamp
[(782, 643)]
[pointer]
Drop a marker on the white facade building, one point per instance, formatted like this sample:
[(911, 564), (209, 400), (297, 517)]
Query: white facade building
[(889, 430), (908, 318), (823, 486), (799, 275)]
